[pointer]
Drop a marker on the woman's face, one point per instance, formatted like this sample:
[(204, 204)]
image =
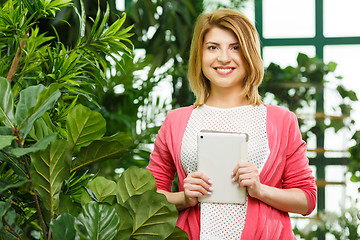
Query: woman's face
[(222, 63)]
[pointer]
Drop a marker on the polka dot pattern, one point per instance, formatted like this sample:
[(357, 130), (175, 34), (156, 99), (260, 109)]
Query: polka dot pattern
[(218, 220)]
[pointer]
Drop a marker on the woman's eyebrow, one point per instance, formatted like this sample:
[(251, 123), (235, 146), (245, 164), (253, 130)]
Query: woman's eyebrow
[(215, 43)]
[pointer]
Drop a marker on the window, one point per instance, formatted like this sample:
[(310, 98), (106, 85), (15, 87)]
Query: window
[(325, 29)]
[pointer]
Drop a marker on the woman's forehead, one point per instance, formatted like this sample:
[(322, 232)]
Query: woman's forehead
[(220, 35)]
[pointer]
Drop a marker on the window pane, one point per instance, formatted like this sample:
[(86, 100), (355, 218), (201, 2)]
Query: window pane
[(285, 56), (347, 58), (288, 18), (341, 18), (335, 194)]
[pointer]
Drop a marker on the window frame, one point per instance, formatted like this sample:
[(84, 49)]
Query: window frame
[(319, 41)]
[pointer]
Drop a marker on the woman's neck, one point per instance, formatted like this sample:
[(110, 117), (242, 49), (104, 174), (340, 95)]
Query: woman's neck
[(228, 100)]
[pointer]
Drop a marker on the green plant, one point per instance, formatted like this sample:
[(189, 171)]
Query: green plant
[(341, 225), (143, 211), (354, 159), (298, 88), (49, 138)]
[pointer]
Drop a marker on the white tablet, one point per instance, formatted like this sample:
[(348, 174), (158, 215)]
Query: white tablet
[(218, 153)]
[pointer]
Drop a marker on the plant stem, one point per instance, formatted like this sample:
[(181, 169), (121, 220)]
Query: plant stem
[(37, 202), (49, 236), (16, 60), (11, 228)]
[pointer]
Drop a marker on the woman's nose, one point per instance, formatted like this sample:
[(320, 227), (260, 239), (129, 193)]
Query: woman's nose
[(224, 56)]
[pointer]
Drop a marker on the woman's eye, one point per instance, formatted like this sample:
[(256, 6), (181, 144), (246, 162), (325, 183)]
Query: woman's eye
[(212, 47), (236, 47)]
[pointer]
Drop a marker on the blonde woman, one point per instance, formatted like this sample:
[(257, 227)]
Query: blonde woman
[(225, 71)]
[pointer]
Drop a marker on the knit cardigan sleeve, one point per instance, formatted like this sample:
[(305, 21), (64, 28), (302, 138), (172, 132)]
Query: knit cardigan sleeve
[(286, 167), (165, 161), (297, 173), (161, 161)]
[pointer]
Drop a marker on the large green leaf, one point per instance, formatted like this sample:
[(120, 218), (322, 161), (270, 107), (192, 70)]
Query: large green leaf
[(6, 141), (84, 126), (44, 102), (6, 103), (103, 188), (134, 181), (100, 221), (6, 136), (63, 227), (28, 99), (40, 145), (68, 205), (49, 169), (178, 234), (42, 128), (154, 217), (100, 150), (126, 223), (6, 131)]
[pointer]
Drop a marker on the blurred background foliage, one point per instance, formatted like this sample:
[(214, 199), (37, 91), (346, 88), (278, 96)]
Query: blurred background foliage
[(162, 35), (126, 95)]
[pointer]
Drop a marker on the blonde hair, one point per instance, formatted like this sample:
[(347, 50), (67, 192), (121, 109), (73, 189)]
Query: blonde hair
[(250, 49)]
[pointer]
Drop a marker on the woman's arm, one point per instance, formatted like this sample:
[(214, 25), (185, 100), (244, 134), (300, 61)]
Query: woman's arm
[(288, 200), (177, 198), (196, 185)]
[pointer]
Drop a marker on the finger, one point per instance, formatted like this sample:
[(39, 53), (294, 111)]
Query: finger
[(196, 191), (199, 186), (194, 184), (199, 178), (201, 175), (247, 183), (196, 194), (239, 165), (250, 180), (191, 188), (245, 169), (198, 181)]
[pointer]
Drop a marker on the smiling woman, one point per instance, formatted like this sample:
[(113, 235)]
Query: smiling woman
[(225, 70), (236, 34), (223, 66)]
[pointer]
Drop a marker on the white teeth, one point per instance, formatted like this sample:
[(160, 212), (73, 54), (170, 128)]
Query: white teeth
[(224, 70)]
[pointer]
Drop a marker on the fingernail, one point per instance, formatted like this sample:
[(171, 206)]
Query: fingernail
[(211, 189), (233, 179), (209, 193), (238, 185), (232, 174), (209, 181)]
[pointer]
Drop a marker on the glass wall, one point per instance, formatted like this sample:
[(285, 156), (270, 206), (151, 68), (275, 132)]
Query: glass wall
[(329, 29)]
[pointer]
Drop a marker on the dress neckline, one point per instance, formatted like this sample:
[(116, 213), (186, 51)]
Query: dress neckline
[(225, 109)]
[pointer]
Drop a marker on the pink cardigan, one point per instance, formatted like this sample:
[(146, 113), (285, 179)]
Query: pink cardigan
[(286, 167)]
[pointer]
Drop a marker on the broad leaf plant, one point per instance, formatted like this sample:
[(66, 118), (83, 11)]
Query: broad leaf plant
[(49, 135)]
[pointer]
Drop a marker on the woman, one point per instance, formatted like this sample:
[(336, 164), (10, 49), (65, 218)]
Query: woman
[(225, 70)]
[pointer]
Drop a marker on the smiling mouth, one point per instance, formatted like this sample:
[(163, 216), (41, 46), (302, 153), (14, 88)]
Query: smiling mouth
[(224, 70)]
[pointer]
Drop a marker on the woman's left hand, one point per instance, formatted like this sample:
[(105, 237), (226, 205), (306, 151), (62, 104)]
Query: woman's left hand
[(246, 175)]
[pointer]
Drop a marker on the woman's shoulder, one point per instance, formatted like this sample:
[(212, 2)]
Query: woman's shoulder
[(278, 112), (177, 118), (182, 112)]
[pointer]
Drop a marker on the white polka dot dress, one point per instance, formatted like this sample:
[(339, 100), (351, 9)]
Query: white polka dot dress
[(225, 221)]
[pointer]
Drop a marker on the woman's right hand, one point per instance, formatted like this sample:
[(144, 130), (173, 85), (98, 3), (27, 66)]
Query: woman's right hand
[(196, 185)]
